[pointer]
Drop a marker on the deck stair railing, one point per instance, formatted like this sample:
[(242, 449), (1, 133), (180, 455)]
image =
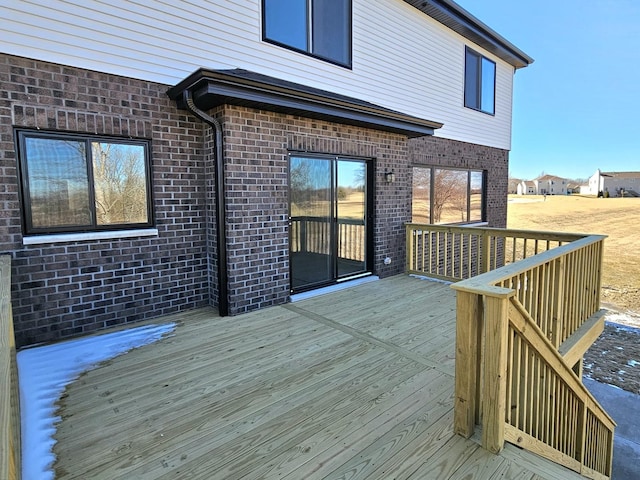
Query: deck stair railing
[(10, 457), (528, 307)]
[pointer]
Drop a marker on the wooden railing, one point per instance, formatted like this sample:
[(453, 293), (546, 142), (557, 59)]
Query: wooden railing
[(313, 234), (456, 253), (10, 457), (527, 310)]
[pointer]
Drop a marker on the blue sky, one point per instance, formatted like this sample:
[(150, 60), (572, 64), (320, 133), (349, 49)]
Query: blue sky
[(577, 107)]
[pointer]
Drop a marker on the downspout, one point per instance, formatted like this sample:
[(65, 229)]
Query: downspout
[(221, 231)]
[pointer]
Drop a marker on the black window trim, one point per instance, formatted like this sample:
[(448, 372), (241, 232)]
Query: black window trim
[(478, 84), (308, 53), (20, 135), (483, 205)]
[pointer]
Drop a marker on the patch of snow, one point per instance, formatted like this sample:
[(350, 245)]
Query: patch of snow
[(633, 363), (45, 371), (622, 320)]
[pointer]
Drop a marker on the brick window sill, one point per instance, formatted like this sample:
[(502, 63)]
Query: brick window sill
[(88, 236)]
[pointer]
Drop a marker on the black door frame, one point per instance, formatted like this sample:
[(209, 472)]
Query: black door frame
[(369, 218)]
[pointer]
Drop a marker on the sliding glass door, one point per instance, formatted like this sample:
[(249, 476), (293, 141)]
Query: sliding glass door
[(328, 220)]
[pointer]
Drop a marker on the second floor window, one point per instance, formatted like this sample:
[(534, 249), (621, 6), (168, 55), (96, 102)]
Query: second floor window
[(321, 28), (479, 82)]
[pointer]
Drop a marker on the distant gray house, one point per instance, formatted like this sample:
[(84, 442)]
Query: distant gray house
[(618, 184)]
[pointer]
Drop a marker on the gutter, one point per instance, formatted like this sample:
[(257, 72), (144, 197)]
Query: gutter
[(221, 230)]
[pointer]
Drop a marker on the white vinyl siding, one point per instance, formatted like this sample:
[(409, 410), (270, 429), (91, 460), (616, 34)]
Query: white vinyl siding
[(402, 59)]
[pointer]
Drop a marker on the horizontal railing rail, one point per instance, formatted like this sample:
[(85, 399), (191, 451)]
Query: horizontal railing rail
[(10, 458)]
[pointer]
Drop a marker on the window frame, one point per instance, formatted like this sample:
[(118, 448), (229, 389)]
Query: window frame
[(478, 82), (309, 30), (483, 204), (28, 229)]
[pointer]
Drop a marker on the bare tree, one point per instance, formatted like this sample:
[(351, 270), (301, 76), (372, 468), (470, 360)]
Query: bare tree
[(119, 181), (449, 188)]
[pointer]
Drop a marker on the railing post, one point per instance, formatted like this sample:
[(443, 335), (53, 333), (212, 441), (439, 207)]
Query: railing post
[(410, 248), (485, 263), (558, 308), (468, 338), (494, 388)]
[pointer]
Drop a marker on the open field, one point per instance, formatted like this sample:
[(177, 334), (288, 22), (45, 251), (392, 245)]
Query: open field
[(618, 218)]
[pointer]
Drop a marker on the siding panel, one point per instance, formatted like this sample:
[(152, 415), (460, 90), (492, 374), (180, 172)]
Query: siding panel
[(402, 59)]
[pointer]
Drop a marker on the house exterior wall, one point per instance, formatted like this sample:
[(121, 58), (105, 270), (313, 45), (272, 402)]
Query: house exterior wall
[(73, 287), (77, 286), (163, 42), (615, 185), (612, 183)]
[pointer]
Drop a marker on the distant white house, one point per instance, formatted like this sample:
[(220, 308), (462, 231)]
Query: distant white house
[(618, 184), (544, 185)]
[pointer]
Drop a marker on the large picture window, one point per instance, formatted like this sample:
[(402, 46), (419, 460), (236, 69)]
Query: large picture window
[(77, 183), (443, 195), (479, 82), (321, 28)]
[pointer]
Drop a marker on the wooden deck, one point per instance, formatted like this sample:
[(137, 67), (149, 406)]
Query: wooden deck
[(357, 384)]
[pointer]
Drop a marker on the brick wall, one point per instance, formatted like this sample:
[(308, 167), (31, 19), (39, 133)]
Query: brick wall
[(256, 148), (74, 287)]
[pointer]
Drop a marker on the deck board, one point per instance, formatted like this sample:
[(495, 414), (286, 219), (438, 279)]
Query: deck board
[(357, 384)]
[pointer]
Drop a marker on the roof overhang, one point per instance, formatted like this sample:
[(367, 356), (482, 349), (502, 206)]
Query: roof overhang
[(453, 16), (211, 88)]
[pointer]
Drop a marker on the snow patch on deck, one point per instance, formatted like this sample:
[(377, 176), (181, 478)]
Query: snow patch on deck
[(45, 371)]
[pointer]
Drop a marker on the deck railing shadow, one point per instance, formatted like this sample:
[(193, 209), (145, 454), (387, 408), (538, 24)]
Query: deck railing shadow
[(528, 307)]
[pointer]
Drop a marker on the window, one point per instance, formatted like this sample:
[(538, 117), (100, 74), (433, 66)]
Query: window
[(321, 28), (77, 183), (443, 195), (479, 82)]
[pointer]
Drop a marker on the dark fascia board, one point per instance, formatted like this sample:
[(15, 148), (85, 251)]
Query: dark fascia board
[(453, 16), (211, 88)]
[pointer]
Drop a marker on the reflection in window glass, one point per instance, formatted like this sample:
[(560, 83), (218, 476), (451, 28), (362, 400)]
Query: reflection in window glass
[(78, 183), (319, 27), (488, 86), (475, 197), (421, 204), (449, 196), (58, 183), (331, 30), (443, 195), (479, 82), (286, 22), (120, 183)]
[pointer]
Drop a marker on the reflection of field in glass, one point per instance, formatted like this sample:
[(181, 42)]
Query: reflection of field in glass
[(454, 211)]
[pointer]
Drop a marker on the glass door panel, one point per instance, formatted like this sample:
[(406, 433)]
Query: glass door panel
[(311, 211), (351, 216)]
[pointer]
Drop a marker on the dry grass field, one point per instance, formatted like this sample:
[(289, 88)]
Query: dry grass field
[(618, 218)]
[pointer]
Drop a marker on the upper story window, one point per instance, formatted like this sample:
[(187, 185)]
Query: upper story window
[(479, 82), (80, 183), (445, 195), (321, 28)]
